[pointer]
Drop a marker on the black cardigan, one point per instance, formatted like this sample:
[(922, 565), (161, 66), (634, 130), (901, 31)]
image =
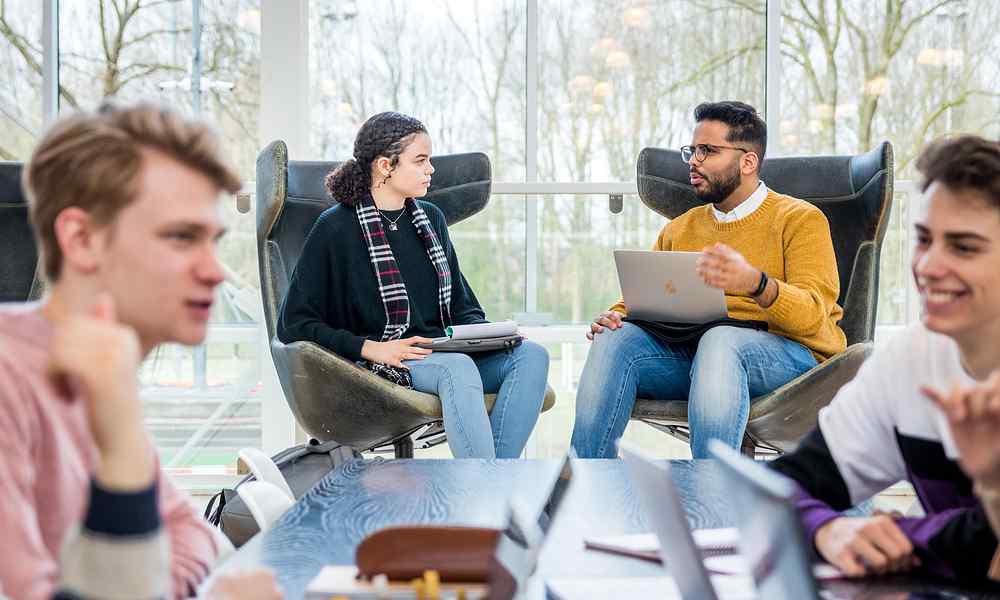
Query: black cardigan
[(333, 296)]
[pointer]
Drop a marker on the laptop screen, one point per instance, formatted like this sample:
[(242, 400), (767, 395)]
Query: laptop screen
[(521, 540), (662, 507), (771, 537)]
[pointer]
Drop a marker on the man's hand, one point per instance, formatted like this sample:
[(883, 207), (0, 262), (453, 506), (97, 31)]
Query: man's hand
[(861, 546), (974, 416), (258, 584), (724, 268), (96, 351), (393, 353), (610, 318)]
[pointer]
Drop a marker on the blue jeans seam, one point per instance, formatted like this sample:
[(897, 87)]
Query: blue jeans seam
[(459, 426), (512, 377), (621, 393)]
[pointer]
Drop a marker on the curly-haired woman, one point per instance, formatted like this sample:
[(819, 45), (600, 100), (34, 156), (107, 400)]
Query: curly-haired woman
[(379, 275)]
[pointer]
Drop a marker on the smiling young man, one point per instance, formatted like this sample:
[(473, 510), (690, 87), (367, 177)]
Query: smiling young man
[(124, 205), (886, 425), (771, 254)]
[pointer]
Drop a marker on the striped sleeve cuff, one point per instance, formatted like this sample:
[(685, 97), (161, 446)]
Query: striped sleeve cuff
[(122, 513), (120, 551)]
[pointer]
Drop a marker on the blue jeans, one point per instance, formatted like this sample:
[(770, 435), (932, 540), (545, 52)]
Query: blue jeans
[(460, 380), (718, 376)]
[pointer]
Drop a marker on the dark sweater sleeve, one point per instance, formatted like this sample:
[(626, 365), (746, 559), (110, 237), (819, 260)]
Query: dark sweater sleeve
[(314, 307), (465, 307), (119, 550), (953, 543), (822, 492)]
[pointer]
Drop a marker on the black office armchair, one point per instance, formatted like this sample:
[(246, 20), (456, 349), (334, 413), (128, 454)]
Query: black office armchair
[(331, 397), (19, 281), (855, 194)]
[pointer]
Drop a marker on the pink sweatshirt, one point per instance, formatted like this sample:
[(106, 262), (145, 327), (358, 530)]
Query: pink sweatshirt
[(47, 457)]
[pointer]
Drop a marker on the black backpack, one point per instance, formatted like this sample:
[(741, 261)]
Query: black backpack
[(302, 466)]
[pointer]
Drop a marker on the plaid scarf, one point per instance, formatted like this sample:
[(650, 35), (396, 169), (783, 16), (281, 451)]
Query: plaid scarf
[(390, 283)]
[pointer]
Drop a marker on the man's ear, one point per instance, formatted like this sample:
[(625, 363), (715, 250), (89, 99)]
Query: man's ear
[(75, 233), (750, 163)]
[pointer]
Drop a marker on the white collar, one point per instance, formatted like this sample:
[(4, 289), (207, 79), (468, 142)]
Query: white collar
[(743, 209)]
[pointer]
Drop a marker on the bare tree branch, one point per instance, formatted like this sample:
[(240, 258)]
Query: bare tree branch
[(28, 53)]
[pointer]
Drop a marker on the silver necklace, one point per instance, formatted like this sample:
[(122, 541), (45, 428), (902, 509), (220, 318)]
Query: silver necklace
[(392, 224)]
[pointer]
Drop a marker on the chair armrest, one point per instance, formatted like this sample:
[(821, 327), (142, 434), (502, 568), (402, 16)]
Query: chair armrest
[(784, 416), (334, 399)]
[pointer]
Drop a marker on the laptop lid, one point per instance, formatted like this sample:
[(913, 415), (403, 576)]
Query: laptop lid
[(663, 286), (521, 541), (663, 511), (771, 537)]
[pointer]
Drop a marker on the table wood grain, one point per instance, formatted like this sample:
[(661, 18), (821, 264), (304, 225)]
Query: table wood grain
[(328, 522)]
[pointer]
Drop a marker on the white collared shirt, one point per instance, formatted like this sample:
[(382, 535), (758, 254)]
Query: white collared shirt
[(745, 208)]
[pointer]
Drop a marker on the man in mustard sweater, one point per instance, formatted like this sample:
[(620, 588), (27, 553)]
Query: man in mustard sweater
[(771, 254)]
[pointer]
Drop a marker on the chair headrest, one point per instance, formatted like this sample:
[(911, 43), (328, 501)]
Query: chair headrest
[(664, 185), (17, 242), (854, 192), (11, 192), (460, 186)]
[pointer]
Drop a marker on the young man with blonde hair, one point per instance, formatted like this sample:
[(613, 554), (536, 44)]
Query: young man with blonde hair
[(124, 205)]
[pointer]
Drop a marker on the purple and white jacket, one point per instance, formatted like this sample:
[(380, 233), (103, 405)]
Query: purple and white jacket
[(880, 430)]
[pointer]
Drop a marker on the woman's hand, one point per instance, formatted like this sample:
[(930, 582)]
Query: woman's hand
[(395, 352)]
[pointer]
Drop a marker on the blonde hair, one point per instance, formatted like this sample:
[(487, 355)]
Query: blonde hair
[(92, 161)]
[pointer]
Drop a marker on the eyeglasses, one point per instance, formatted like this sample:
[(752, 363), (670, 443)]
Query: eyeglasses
[(703, 151)]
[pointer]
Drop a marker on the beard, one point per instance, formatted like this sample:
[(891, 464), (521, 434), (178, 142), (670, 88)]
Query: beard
[(718, 189)]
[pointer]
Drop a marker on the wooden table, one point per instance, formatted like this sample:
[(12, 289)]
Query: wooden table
[(326, 525)]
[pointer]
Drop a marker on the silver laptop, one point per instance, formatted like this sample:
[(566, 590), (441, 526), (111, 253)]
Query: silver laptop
[(689, 579), (663, 510), (521, 541), (771, 537), (663, 286)]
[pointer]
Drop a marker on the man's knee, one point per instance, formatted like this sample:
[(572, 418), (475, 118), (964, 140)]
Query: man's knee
[(728, 342), (721, 350), (613, 341)]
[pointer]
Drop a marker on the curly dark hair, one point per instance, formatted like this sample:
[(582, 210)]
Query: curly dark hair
[(745, 124), (385, 134), (966, 162)]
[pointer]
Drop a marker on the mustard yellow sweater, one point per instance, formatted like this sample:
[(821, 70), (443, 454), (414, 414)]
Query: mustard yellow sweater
[(789, 239)]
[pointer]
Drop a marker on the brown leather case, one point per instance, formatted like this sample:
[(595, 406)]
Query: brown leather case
[(458, 554)]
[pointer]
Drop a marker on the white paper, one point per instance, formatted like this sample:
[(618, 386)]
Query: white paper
[(734, 564), (661, 588), (482, 330), (723, 538)]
